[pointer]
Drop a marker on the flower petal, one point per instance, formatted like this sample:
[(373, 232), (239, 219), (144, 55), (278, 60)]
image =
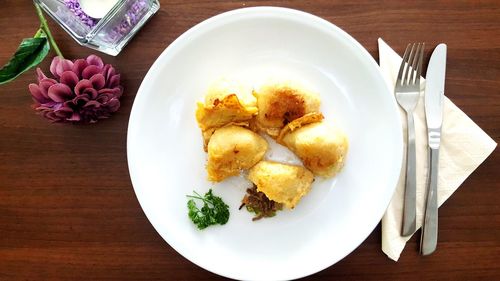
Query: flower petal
[(95, 60), (60, 92), (90, 71), (114, 81), (48, 80), (50, 105), (63, 65), (75, 117), (80, 100), (45, 85), (104, 98), (40, 74), (64, 112), (108, 71), (113, 105), (49, 114), (53, 66), (90, 92), (82, 85), (37, 94), (69, 78), (92, 103), (98, 81), (78, 66), (111, 91), (57, 105)]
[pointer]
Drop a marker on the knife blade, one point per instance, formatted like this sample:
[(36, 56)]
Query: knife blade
[(434, 96)]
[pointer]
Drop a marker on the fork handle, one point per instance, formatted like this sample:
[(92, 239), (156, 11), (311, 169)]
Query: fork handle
[(409, 212)]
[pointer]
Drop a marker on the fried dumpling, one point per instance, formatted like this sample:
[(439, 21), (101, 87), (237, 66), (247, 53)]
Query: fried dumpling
[(232, 149), (222, 88), (309, 118), (282, 183), (226, 102), (207, 134), (282, 102), (321, 147)]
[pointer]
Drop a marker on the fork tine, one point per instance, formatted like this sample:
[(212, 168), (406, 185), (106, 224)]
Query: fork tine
[(414, 64), (410, 60), (403, 63), (419, 65)]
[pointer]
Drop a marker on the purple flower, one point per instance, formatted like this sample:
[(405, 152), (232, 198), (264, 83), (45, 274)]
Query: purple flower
[(82, 91)]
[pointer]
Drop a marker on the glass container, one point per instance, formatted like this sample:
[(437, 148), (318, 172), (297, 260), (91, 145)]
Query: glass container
[(109, 34)]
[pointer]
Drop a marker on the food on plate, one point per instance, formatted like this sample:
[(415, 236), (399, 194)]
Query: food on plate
[(221, 88), (225, 102), (282, 183), (232, 149), (309, 118), (207, 134), (214, 210), (321, 147), (231, 117), (280, 103), (257, 202)]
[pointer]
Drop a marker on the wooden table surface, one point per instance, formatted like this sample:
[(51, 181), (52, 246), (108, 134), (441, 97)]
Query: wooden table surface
[(67, 207)]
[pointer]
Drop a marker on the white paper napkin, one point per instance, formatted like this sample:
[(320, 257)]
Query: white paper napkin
[(464, 146)]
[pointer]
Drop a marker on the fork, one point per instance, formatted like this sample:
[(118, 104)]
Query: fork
[(407, 91)]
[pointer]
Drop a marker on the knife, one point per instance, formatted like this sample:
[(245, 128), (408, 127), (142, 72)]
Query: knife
[(434, 95)]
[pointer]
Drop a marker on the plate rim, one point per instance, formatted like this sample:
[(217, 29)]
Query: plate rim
[(268, 11)]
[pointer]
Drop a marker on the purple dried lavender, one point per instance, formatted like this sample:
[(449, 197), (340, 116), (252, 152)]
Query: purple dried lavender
[(131, 18), (74, 6)]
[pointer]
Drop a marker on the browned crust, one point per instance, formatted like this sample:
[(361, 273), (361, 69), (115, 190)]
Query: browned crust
[(288, 105), (234, 112), (309, 118)]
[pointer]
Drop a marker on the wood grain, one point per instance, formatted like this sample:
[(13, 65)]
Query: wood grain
[(67, 207)]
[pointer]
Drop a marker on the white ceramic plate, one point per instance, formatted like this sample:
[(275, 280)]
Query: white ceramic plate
[(166, 158)]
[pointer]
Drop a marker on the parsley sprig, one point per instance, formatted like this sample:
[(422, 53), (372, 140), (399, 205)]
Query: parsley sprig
[(214, 210)]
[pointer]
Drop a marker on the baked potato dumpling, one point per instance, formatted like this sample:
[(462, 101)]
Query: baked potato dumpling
[(282, 183), (281, 103), (225, 102), (321, 147), (232, 149)]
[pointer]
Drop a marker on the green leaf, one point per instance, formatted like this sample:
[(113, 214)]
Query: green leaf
[(214, 210), (30, 53)]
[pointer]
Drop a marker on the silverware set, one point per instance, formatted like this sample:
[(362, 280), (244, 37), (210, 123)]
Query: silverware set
[(407, 92)]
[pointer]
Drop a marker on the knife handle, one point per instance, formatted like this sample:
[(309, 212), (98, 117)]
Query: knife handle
[(410, 209), (428, 240)]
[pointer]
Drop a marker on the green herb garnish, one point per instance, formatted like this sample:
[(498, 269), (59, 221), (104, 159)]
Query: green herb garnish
[(214, 210)]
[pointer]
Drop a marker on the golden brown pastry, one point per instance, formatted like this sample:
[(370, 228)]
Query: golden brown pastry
[(225, 103), (321, 147), (282, 183), (222, 88), (207, 134), (282, 102), (309, 118), (232, 149)]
